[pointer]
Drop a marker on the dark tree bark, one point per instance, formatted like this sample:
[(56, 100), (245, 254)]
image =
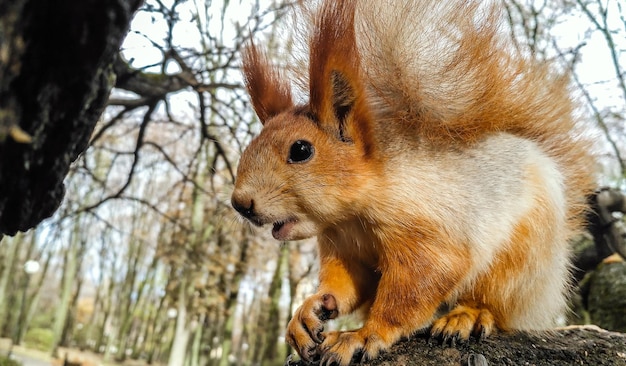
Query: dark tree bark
[(601, 222), (572, 346), (608, 236), (55, 77)]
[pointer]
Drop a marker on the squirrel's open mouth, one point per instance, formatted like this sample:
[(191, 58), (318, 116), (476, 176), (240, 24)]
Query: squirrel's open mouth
[(281, 229)]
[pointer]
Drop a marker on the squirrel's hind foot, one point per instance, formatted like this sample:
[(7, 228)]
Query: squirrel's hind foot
[(461, 323)]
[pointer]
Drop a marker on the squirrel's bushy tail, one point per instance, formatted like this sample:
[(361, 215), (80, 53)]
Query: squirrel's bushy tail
[(447, 69)]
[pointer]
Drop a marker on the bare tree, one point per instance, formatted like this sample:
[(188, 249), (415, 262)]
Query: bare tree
[(538, 29)]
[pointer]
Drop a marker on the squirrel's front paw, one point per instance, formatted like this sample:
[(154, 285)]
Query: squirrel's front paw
[(304, 331), (341, 348)]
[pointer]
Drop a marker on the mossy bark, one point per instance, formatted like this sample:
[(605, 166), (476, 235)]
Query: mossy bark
[(606, 298)]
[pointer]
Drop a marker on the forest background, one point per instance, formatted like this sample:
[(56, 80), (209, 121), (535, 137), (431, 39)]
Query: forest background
[(145, 259)]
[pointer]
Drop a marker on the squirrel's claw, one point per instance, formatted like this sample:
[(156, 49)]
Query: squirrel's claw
[(450, 339), (480, 334), (305, 330)]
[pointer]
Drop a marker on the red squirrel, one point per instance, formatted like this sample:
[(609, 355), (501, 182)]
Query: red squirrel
[(435, 164)]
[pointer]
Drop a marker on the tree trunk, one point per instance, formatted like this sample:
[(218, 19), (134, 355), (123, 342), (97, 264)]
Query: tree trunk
[(149, 312), (67, 284), (129, 297), (211, 336), (68, 329), (34, 299), (55, 78), (272, 349), (19, 326), (155, 328), (181, 330), (10, 262), (194, 352), (102, 341), (225, 332), (25, 280), (92, 323)]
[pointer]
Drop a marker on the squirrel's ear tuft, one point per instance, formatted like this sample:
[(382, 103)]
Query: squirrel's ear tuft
[(337, 95), (343, 95), (269, 92)]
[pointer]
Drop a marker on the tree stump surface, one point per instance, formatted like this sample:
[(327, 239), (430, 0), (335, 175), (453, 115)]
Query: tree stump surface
[(580, 345)]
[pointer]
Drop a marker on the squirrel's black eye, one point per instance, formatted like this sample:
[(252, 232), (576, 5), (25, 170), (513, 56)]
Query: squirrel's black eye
[(301, 151)]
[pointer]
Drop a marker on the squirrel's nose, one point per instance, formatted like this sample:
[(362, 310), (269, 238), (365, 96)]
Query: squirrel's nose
[(243, 205)]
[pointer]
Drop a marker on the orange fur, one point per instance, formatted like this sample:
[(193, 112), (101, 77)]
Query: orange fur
[(434, 165)]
